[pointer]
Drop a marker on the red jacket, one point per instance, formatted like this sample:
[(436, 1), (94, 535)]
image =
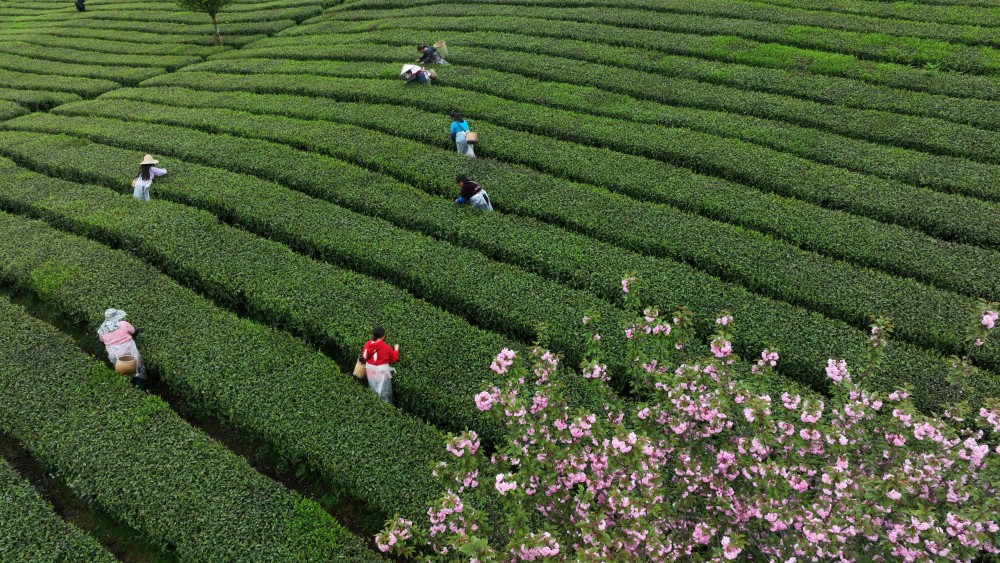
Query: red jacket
[(378, 353)]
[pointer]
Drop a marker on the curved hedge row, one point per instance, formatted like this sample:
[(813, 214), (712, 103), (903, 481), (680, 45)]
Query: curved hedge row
[(641, 96), (944, 216), (30, 530), (259, 380), (127, 28), (924, 11), (922, 314), (921, 12), (120, 47), (797, 95), (158, 15), (37, 100), (232, 8), (86, 87), (337, 307), (961, 268), (132, 35), (806, 340), (124, 75), (80, 56), (729, 15), (142, 464), (713, 47), (714, 18), (10, 110)]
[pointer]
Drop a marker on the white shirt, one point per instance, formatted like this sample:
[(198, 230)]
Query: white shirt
[(154, 172)]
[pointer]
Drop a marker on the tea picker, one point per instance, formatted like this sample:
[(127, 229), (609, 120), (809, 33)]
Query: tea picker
[(377, 355), (414, 73), (464, 139), (472, 194), (429, 54), (79, 6), (147, 171), (116, 334)]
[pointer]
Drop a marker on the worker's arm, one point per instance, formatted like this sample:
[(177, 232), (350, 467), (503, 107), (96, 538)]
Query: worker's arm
[(412, 78), (158, 171), (460, 200)]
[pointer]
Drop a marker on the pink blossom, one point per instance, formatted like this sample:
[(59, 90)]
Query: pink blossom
[(728, 550), (484, 401), (703, 533), (723, 321), (721, 347), (503, 487), (992, 417), (989, 319), (626, 283), (791, 403), (837, 371), (503, 361)]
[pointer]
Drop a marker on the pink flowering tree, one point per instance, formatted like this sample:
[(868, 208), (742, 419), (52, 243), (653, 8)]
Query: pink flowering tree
[(701, 466)]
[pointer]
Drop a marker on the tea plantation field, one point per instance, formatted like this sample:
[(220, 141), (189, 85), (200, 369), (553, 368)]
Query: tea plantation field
[(806, 165)]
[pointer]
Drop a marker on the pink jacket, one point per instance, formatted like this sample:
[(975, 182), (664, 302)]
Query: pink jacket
[(118, 336)]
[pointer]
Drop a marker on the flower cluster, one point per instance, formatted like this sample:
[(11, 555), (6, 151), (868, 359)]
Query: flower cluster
[(701, 466), (398, 531), (768, 359), (503, 361), (466, 443), (989, 319), (837, 371)]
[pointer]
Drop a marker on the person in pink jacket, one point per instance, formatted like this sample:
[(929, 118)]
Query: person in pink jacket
[(116, 334)]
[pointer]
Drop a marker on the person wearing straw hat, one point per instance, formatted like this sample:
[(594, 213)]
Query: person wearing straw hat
[(459, 129), (472, 194), (147, 171), (429, 55), (116, 334), (414, 73)]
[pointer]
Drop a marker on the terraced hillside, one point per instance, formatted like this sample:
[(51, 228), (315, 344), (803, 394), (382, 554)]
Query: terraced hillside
[(807, 165)]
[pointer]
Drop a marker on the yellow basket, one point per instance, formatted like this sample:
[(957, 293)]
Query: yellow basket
[(441, 48)]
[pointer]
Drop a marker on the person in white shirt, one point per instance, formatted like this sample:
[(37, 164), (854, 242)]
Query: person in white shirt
[(147, 171)]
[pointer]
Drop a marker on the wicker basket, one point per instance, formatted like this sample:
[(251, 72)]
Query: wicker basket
[(126, 365), (471, 138), (359, 368), (441, 48)]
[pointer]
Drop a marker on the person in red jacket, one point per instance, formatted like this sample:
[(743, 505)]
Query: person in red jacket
[(377, 356)]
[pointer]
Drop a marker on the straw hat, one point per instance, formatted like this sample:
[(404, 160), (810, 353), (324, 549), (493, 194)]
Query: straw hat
[(148, 159)]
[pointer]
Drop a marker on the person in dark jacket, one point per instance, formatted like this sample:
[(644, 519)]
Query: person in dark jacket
[(430, 55), (79, 6), (472, 194)]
